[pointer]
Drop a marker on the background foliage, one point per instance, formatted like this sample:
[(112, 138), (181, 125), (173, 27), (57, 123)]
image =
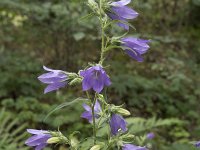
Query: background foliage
[(53, 33)]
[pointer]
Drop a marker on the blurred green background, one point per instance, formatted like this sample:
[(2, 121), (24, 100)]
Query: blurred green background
[(51, 32)]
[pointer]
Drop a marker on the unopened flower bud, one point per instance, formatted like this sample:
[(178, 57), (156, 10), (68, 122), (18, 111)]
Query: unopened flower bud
[(53, 140), (96, 147), (100, 96), (72, 75), (92, 3), (123, 112), (128, 137), (75, 81)]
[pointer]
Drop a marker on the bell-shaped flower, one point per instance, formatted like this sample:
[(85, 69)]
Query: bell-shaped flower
[(197, 144), (135, 47), (132, 147), (119, 11), (39, 139), (117, 124), (150, 135), (88, 111), (55, 79), (94, 78)]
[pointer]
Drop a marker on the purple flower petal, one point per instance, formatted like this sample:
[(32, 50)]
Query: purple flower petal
[(33, 131), (133, 147), (87, 83), (138, 44), (48, 69), (107, 80), (150, 135), (197, 144), (120, 24), (120, 3), (97, 107), (98, 84), (117, 123), (41, 146), (47, 75), (53, 87), (135, 47), (86, 107), (94, 78), (88, 113), (39, 138), (125, 12), (55, 78), (135, 55), (51, 80)]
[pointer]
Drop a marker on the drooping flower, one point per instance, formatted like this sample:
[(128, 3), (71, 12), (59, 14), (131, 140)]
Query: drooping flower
[(55, 79), (150, 135), (119, 11), (94, 78), (117, 124), (135, 47), (88, 111), (197, 144), (132, 147), (39, 138)]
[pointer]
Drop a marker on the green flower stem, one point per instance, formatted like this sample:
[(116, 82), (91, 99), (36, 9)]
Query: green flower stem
[(92, 104), (102, 35), (100, 119), (93, 120)]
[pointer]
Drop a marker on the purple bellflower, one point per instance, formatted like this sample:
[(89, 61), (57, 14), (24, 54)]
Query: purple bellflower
[(150, 135), (88, 111), (121, 12), (135, 47), (133, 147), (197, 144), (94, 77), (55, 79), (117, 124), (39, 139)]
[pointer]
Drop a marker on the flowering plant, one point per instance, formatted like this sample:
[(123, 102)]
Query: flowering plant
[(94, 79)]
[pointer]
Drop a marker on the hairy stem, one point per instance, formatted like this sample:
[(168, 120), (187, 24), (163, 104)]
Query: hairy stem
[(93, 120), (93, 115), (102, 36)]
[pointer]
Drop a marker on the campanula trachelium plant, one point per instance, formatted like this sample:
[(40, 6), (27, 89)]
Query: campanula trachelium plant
[(94, 81)]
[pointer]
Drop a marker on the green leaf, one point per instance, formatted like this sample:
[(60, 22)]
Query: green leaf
[(65, 105)]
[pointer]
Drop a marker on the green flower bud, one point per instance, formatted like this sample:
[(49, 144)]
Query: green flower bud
[(53, 140), (72, 75), (75, 81), (93, 4), (96, 147), (123, 112), (74, 142), (128, 137)]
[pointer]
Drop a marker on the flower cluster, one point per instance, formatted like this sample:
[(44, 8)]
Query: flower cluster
[(94, 80), (119, 11), (133, 147)]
